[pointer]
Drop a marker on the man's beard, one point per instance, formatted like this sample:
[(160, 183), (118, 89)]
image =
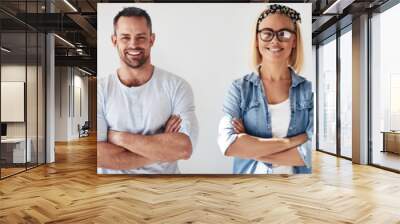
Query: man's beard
[(136, 63)]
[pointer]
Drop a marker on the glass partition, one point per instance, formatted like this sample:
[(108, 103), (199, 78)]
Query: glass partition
[(327, 96), (31, 99), (22, 87), (346, 94), (41, 109), (385, 90), (13, 105)]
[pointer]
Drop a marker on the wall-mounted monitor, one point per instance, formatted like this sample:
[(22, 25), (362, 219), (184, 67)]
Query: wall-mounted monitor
[(12, 101)]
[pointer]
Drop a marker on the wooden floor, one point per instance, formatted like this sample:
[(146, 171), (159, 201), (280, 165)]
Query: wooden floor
[(10, 171), (5, 172), (69, 191)]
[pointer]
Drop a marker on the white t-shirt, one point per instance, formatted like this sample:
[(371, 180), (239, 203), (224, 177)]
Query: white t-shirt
[(280, 119), (145, 110)]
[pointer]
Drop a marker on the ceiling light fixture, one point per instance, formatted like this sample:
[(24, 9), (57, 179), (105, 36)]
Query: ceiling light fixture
[(5, 50), (70, 5), (64, 40), (84, 71)]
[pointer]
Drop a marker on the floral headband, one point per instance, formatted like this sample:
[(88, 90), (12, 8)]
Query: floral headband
[(281, 9)]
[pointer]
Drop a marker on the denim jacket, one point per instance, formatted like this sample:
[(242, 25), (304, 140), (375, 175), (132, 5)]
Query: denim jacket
[(246, 100)]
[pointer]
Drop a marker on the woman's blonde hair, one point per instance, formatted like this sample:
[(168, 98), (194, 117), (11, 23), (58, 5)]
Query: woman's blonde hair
[(296, 57)]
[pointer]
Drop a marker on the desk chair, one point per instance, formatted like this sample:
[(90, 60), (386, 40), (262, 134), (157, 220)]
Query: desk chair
[(84, 130)]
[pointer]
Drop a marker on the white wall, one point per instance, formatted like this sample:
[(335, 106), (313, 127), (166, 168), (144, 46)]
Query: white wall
[(61, 103), (209, 46), (67, 80)]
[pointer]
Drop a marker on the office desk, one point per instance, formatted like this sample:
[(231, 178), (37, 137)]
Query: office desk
[(391, 141), (13, 150)]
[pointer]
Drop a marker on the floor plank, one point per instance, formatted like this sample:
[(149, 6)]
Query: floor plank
[(70, 191)]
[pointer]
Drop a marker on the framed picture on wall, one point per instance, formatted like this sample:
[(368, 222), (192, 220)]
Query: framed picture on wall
[(12, 101)]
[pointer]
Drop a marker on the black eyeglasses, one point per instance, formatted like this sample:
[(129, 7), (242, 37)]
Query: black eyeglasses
[(283, 35)]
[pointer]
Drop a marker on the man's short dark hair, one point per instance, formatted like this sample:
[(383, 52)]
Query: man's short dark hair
[(133, 12)]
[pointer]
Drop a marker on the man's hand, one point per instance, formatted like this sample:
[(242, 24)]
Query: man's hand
[(238, 126), (173, 124)]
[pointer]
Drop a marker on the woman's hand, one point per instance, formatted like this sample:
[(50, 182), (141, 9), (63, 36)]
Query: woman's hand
[(238, 126)]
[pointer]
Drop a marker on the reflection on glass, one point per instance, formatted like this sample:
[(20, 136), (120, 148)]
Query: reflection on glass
[(327, 97), (385, 84), (346, 94)]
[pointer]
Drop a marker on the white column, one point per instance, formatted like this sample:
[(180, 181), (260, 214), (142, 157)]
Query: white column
[(50, 92), (50, 99)]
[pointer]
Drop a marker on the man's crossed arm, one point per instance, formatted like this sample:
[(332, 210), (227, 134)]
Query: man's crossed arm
[(128, 151)]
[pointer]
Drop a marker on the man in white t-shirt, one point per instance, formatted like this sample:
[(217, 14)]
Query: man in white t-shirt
[(146, 118)]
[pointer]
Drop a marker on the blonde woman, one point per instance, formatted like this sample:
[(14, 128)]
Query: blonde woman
[(268, 114)]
